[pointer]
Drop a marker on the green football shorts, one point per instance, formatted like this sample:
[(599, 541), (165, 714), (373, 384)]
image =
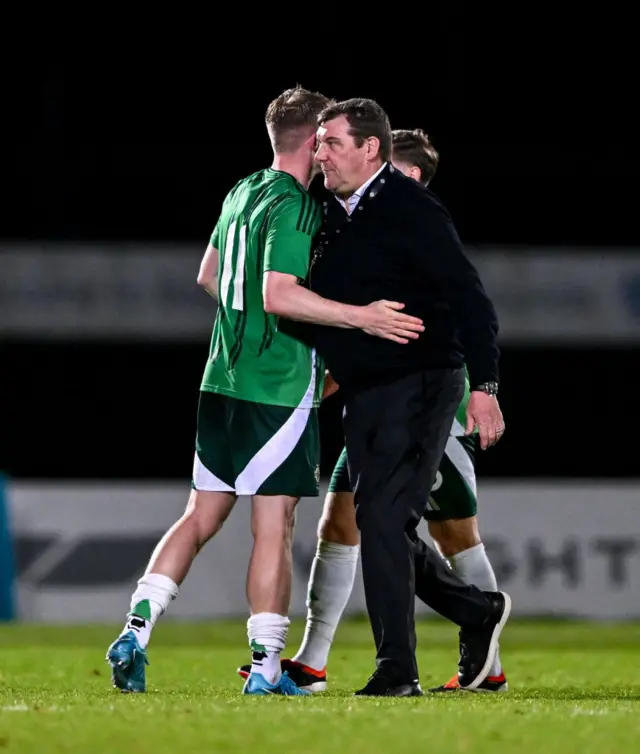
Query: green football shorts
[(453, 494), (256, 449)]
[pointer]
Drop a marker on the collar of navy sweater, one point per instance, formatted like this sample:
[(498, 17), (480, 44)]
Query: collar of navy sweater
[(372, 190), (369, 196), (351, 202)]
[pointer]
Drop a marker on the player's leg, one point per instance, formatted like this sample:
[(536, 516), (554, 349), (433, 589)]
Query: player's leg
[(269, 582), (209, 504), (330, 583), (276, 451), (453, 525), (333, 573)]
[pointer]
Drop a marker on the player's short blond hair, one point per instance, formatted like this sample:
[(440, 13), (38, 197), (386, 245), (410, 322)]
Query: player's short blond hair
[(292, 117)]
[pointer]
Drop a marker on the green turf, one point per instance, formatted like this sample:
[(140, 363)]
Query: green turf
[(575, 688)]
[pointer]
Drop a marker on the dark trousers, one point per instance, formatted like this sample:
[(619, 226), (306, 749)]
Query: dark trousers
[(395, 436)]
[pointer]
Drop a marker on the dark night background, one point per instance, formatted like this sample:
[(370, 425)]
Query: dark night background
[(135, 150)]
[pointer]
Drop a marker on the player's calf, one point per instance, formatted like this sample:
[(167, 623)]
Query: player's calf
[(269, 583)]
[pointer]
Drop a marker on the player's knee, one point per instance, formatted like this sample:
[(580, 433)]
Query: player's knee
[(339, 533), (201, 528), (206, 517), (455, 536), (338, 523), (273, 518)]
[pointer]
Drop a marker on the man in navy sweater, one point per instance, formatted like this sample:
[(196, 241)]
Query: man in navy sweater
[(387, 237)]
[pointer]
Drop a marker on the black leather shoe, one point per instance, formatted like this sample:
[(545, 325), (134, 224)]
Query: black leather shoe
[(378, 685), (478, 645)]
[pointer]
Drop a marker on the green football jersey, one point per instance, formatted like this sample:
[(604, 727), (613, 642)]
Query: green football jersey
[(267, 223)]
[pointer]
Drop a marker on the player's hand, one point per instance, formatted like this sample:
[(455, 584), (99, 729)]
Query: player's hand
[(385, 320), (484, 412), (330, 386)]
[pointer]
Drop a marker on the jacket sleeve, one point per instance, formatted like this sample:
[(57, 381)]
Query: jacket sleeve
[(441, 255)]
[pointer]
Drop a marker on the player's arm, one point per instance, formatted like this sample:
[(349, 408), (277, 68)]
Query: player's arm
[(208, 274), (286, 258), (283, 295), (286, 261)]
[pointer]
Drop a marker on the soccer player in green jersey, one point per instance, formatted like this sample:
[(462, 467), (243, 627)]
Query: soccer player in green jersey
[(451, 510), (257, 429)]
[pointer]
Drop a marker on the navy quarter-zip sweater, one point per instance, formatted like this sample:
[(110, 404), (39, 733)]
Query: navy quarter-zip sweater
[(400, 244)]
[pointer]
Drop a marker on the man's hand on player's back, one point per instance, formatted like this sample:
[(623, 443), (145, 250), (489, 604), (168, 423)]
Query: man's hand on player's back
[(385, 320)]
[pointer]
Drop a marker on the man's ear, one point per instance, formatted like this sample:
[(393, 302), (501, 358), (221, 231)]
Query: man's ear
[(373, 148)]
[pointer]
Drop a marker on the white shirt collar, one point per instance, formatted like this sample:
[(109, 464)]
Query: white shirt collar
[(352, 202)]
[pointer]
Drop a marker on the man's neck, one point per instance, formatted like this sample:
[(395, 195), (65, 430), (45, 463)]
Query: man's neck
[(367, 175), (295, 165)]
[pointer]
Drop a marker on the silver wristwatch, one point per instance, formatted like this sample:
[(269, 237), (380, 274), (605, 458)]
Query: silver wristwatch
[(491, 388)]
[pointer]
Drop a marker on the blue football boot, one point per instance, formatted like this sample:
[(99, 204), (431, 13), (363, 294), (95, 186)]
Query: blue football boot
[(257, 685), (128, 661)]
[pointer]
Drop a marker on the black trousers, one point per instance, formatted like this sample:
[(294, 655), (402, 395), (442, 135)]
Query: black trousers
[(395, 436)]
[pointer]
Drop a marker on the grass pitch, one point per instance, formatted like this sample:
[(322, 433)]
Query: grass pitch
[(574, 688)]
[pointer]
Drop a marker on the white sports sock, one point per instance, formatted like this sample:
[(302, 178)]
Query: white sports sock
[(267, 634), (473, 567), (148, 603), (330, 584)]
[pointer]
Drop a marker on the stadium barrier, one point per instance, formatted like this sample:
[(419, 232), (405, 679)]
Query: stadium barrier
[(93, 291), (559, 548)]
